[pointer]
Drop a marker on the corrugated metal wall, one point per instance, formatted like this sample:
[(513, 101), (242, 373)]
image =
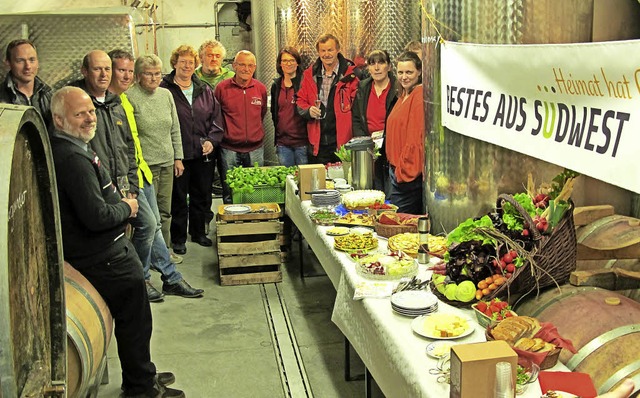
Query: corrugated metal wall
[(63, 40)]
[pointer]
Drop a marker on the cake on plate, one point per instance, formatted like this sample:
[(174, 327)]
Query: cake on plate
[(361, 199)]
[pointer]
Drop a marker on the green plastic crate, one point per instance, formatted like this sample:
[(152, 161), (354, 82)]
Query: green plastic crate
[(261, 194)]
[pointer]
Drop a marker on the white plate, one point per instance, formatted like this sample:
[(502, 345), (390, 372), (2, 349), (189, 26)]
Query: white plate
[(414, 299), (237, 209), (418, 326), (361, 230), (433, 348)]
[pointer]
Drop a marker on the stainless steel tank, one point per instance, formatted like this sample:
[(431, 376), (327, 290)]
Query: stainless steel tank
[(464, 175), (361, 26)]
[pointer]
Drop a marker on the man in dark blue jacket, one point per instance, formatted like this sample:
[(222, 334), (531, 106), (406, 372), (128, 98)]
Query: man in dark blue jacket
[(93, 218)]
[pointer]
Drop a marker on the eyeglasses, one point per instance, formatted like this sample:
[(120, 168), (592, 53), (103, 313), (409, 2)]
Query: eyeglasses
[(157, 75), (288, 61), (250, 66)]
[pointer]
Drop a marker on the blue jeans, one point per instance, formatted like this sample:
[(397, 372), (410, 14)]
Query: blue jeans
[(231, 159), (406, 195), (147, 238), (292, 155)]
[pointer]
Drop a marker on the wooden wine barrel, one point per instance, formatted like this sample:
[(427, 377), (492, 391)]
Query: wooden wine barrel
[(89, 329), (32, 320), (606, 336)]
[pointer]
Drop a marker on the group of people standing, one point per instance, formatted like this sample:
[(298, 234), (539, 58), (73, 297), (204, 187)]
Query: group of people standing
[(134, 146), (318, 110)]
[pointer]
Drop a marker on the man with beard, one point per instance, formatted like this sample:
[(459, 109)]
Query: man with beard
[(93, 217)]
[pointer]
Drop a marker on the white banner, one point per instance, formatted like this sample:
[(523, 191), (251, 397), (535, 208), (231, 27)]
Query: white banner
[(573, 105)]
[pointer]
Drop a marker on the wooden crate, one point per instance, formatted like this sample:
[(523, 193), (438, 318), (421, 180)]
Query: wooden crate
[(249, 251)]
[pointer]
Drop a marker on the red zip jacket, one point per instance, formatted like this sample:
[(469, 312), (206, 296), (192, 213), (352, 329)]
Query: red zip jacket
[(345, 93), (243, 109)]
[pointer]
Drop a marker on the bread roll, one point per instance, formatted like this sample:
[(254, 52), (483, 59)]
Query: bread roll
[(538, 344), (525, 344)]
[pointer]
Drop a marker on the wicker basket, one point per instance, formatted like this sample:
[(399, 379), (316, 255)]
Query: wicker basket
[(387, 230), (555, 255)]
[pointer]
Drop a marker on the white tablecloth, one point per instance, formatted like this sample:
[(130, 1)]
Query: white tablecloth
[(395, 356)]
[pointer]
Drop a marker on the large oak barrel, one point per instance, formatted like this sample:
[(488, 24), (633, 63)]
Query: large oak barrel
[(89, 328), (32, 321), (606, 336)]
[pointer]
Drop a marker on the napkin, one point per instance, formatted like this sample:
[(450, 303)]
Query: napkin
[(548, 333), (576, 383)]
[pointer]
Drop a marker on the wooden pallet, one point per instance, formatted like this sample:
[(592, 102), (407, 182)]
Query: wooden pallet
[(249, 251)]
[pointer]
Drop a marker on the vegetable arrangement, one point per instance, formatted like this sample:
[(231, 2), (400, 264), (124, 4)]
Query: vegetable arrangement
[(488, 250), (343, 154), (241, 179)]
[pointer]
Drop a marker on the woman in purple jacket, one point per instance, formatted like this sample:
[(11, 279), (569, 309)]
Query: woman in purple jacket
[(201, 131)]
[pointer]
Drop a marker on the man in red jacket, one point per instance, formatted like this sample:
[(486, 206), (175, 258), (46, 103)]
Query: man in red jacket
[(243, 101), (325, 98)]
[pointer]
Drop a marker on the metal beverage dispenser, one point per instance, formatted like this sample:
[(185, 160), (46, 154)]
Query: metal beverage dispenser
[(362, 156)]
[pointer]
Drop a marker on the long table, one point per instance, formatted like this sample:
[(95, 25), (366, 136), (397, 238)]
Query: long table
[(384, 340)]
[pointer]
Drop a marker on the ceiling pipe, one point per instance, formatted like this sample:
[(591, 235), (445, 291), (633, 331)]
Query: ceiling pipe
[(217, 6)]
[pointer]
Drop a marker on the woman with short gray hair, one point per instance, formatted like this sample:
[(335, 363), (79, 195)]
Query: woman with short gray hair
[(159, 132)]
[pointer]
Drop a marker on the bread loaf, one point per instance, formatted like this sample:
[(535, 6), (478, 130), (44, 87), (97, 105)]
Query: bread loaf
[(518, 331)]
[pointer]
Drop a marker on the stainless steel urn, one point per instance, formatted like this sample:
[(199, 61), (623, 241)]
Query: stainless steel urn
[(362, 154)]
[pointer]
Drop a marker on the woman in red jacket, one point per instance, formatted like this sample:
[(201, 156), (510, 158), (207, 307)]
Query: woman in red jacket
[(405, 147)]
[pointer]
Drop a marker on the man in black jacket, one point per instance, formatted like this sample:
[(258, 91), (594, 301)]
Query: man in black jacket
[(93, 218), (22, 86)]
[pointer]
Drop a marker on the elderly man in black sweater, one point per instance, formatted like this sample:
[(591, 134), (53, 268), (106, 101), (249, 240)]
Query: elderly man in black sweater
[(93, 218)]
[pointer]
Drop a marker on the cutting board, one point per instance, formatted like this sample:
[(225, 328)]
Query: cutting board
[(614, 236)]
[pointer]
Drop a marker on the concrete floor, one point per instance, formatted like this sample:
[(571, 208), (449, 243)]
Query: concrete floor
[(263, 340)]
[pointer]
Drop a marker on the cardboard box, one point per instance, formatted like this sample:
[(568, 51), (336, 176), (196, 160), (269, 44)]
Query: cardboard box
[(473, 367), (305, 178)]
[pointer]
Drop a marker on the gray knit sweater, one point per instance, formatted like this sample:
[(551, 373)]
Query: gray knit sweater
[(158, 125)]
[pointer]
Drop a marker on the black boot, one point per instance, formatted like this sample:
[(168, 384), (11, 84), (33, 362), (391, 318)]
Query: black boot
[(181, 288), (153, 294)]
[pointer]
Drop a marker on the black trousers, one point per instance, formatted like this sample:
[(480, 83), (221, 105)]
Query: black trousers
[(196, 182), (117, 276)]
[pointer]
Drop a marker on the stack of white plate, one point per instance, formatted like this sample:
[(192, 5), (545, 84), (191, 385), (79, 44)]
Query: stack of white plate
[(328, 198), (414, 303), (237, 209)]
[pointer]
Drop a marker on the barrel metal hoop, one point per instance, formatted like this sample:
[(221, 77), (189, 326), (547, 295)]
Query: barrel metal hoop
[(88, 350), (598, 342), (94, 305), (619, 375), (554, 300)]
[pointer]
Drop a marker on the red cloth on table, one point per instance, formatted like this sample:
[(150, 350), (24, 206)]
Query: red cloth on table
[(575, 383)]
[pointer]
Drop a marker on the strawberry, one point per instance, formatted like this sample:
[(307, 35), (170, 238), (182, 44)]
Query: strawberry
[(487, 312), (508, 314), (498, 317), (494, 308), (481, 306)]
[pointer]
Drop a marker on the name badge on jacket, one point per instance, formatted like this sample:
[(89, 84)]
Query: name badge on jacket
[(256, 101)]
